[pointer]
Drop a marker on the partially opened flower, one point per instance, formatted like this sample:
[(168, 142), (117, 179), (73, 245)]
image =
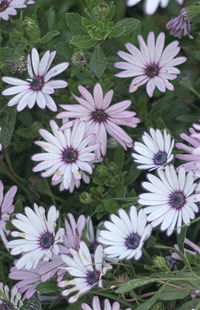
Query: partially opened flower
[(191, 158), (86, 272), (181, 25), (68, 157), (125, 234), (8, 7), (6, 208), (38, 239), (97, 306), (194, 249), (155, 151), (152, 5), (38, 88), (152, 64), (102, 118), (171, 201), (12, 298)]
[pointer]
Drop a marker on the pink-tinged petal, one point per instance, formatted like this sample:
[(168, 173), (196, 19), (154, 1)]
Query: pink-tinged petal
[(151, 46), (170, 70), (103, 139), (14, 81), (29, 66), (84, 104), (8, 198), (107, 99), (159, 84), (118, 107), (131, 73), (177, 61), (24, 101), (44, 63), (35, 61), (150, 87), (127, 57), (132, 2), (41, 101), (50, 103), (15, 100), (86, 95), (85, 166), (57, 84), (119, 134), (15, 90), (56, 70), (47, 89), (98, 96), (159, 46), (137, 82), (144, 49), (51, 58), (169, 53), (168, 85)]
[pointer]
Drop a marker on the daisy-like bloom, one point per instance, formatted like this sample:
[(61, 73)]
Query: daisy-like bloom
[(152, 5), (6, 208), (152, 64), (38, 239), (125, 234), (181, 25), (101, 117), (172, 200), (192, 157), (86, 272), (68, 155), (8, 7), (12, 298), (155, 151), (37, 88), (97, 306), (27, 280), (71, 240)]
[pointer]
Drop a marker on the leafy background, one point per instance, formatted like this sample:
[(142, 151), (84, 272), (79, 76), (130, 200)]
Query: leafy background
[(88, 34)]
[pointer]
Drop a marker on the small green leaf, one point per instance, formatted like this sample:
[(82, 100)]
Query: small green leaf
[(92, 3), (125, 26), (132, 284), (74, 22), (83, 41), (49, 287), (119, 157), (150, 302), (49, 36), (98, 62), (7, 125)]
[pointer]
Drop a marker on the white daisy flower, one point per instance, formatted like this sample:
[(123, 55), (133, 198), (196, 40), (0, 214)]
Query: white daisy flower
[(97, 306), (68, 157), (125, 234), (38, 239), (155, 151), (86, 273), (8, 7), (152, 5), (172, 200), (38, 88), (12, 298)]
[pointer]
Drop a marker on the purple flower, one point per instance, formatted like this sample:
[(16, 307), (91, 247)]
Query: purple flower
[(101, 118), (151, 64), (6, 208), (97, 306), (38, 88), (192, 157), (8, 7), (180, 26), (192, 245)]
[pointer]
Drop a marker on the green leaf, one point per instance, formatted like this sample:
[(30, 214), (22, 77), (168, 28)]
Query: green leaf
[(48, 287), (92, 3), (49, 36), (83, 41), (181, 238), (119, 157), (74, 22), (98, 62), (110, 206), (132, 284), (190, 304), (150, 302), (125, 26), (7, 125)]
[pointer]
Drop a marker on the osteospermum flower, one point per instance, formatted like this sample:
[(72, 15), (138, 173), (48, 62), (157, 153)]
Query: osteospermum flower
[(86, 272), (97, 306), (102, 118), (12, 298), (171, 201), (152, 5), (37, 88), (152, 64), (125, 234), (6, 208), (155, 151), (38, 239), (192, 150), (68, 157), (8, 7), (181, 25)]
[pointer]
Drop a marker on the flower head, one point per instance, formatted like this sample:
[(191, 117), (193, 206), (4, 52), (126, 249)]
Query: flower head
[(68, 156), (6, 208), (97, 306), (180, 26), (125, 234), (8, 7), (101, 118), (171, 201), (86, 273), (155, 151), (152, 5), (193, 150), (38, 88), (152, 64), (12, 298), (38, 239)]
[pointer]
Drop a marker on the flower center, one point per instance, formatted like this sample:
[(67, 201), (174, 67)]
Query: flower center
[(6, 305), (46, 240), (177, 200), (160, 158), (70, 155), (3, 5), (99, 116), (152, 70), (92, 277), (37, 83), (132, 241)]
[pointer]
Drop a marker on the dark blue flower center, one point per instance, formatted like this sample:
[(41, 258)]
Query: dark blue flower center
[(4, 4), (160, 158), (92, 277), (99, 116), (152, 70), (70, 155), (37, 83), (132, 241), (46, 240), (177, 200), (6, 305)]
